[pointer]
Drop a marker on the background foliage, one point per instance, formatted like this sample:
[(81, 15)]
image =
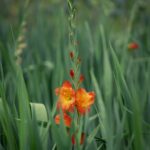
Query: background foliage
[(35, 36)]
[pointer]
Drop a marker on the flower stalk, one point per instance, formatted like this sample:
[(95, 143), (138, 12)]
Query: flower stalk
[(71, 97)]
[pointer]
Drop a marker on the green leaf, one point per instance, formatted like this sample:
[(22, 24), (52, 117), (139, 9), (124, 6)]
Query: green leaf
[(100, 107), (93, 134), (38, 112)]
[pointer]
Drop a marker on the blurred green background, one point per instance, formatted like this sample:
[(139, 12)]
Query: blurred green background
[(35, 36)]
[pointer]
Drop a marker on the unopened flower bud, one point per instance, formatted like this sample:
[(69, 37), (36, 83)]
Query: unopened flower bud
[(79, 60), (71, 55), (81, 78), (72, 73)]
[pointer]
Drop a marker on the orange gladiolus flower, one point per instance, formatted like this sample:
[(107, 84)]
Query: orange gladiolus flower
[(67, 119), (66, 95), (84, 100)]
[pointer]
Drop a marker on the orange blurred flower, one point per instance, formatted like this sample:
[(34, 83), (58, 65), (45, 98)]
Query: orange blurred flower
[(66, 95), (81, 139), (84, 100), (67, 119), (133, 45)]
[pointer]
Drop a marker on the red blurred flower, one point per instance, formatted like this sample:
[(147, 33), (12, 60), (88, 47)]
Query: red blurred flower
[(84, 100), (133, 45), (66, 95), (72, 73), (67, 119), (82, 139)]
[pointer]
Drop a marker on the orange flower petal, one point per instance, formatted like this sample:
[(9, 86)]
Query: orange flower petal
[(67, 84), (66, 99), (57, 91), (57, 119), (84, 100), (67, 119), (66, 106)]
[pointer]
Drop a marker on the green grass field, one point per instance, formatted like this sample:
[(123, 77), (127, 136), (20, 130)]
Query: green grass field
[(34, 61)]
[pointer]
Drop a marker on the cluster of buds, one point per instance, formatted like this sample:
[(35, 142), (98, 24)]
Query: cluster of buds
[(74, 72)]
